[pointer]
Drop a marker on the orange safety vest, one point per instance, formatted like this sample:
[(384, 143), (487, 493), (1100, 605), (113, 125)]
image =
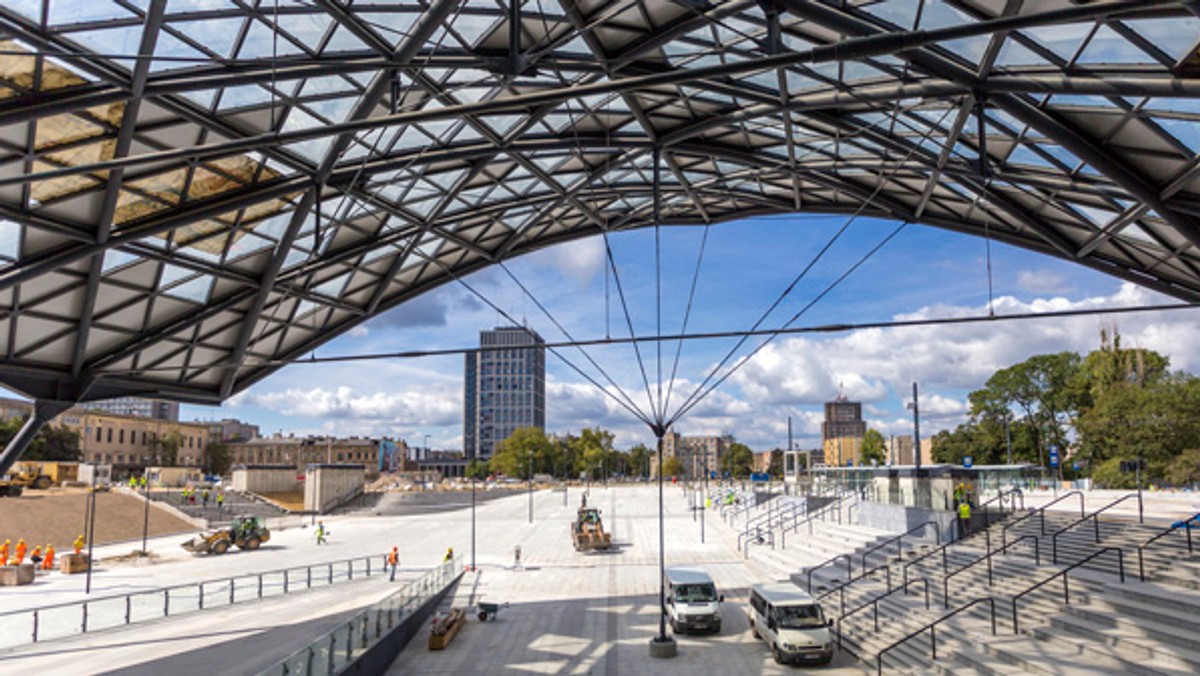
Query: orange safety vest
[(393, 558), (48, 563)]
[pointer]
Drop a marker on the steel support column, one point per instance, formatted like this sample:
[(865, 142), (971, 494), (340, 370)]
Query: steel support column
[(43, 412)]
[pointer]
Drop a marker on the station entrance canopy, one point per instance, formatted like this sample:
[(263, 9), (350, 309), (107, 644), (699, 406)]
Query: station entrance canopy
[(194, 192)]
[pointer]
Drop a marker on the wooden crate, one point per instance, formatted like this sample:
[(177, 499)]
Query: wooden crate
[(440, 641)]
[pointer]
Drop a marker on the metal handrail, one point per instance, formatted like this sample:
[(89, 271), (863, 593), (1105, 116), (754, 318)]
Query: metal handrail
[(819, 514), (337, 649), (1000, 496), (900, 539), (1095, 517), (932, 627), (1037, 554), (763, 537), (875, 602), (841, 588), (1042, 512), (327, 570), (849, 567), (1066, 585), (1186, 524), (767, 518)]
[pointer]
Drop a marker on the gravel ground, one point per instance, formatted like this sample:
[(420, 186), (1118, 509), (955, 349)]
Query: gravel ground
[(56, 516)]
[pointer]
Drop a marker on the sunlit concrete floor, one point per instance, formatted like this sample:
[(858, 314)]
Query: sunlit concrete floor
[(595, 613)]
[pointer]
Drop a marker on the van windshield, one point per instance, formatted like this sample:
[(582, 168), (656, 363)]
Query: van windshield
[(696, 593), (800, 617)]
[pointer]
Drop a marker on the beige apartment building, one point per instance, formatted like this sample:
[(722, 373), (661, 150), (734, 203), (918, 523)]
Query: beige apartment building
[(130, 442), (695, 453), (301, 451)]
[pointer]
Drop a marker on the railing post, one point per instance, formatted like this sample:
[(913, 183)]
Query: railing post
[(308, 663), (232, 587), (1141, 565), (201, 596), (933, 640), (331, 573), (1016, 629), (992, 603), (128, 608), (1121, 564), (83, 627), (35, 625), (1066, 588), (332, 650), (1096, 523), (309, 572), (166, 602), (260, 585)]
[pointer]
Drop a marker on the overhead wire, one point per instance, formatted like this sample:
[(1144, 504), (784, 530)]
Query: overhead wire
[(816, 329), (804, 272)]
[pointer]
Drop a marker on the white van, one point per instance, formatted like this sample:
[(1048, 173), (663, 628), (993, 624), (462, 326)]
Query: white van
[(692, 601), (790, 622)]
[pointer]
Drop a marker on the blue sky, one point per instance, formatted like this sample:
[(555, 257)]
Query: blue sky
[(922, 272)]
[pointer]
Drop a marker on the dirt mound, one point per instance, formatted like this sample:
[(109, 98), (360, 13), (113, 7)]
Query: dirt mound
[(55, 517)]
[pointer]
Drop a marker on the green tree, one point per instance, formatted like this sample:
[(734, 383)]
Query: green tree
[(166, 448), (477, 469), (639, 458), (775, 469), (672, 466), (525, 447), (217, 458), (1109, 475), (738, 461), (51, 443), (873, 450), (592, 450), (1184, 469)]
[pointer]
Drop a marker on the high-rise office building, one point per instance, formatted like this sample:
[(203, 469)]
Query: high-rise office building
[(504, 388), (842, 432)]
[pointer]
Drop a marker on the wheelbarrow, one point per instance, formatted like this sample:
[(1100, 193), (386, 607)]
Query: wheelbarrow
[(489, 611)]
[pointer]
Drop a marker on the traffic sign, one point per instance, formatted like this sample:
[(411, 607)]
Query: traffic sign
[(968, 461), (712, 475), (1054, 456), (760, 476)]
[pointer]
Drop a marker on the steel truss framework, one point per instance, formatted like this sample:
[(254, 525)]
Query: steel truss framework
[(278, 173)]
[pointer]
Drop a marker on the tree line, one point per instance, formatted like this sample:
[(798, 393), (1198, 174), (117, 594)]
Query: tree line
[(1114, 405), (590, 454)]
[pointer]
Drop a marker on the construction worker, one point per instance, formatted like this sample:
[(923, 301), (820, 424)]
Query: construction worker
[(36, 558), (449, 555), (220, 501), (964, 519), (22, 548), (393, 559), (204, 497), (48, 563), (132, 483), (4, 552), (78, 544), (142, 482), (321, 533)]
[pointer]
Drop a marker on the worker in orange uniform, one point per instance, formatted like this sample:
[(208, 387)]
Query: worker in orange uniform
[(36, 557), (22, 549), (4, 552), (48, 564), (78, 544), (393, 560)]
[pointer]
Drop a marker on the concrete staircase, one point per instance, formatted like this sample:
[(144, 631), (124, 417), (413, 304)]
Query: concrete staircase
[(1108, 627)]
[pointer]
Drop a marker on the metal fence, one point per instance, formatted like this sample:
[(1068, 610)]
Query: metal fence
[(332, 652), (32, 625)]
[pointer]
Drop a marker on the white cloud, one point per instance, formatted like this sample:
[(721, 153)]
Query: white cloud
[(1042, 281), (580, 259)]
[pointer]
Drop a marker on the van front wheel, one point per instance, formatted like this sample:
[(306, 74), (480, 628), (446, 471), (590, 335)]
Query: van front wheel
[(777, 654), (754, 630)]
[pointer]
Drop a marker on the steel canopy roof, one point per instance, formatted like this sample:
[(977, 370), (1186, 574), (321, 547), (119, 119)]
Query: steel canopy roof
[(275, 175)]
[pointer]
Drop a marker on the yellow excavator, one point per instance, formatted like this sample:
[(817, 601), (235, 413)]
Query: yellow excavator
[(247, 532), (588, 531)]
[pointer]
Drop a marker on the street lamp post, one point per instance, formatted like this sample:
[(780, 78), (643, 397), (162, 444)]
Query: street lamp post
[(661, 645), (531, 486), (1008, 437)]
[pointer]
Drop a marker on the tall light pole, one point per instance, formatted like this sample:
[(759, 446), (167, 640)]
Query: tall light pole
[(1008, 437), (916, 409), (427, 446), (531, 486), (661, 645)]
